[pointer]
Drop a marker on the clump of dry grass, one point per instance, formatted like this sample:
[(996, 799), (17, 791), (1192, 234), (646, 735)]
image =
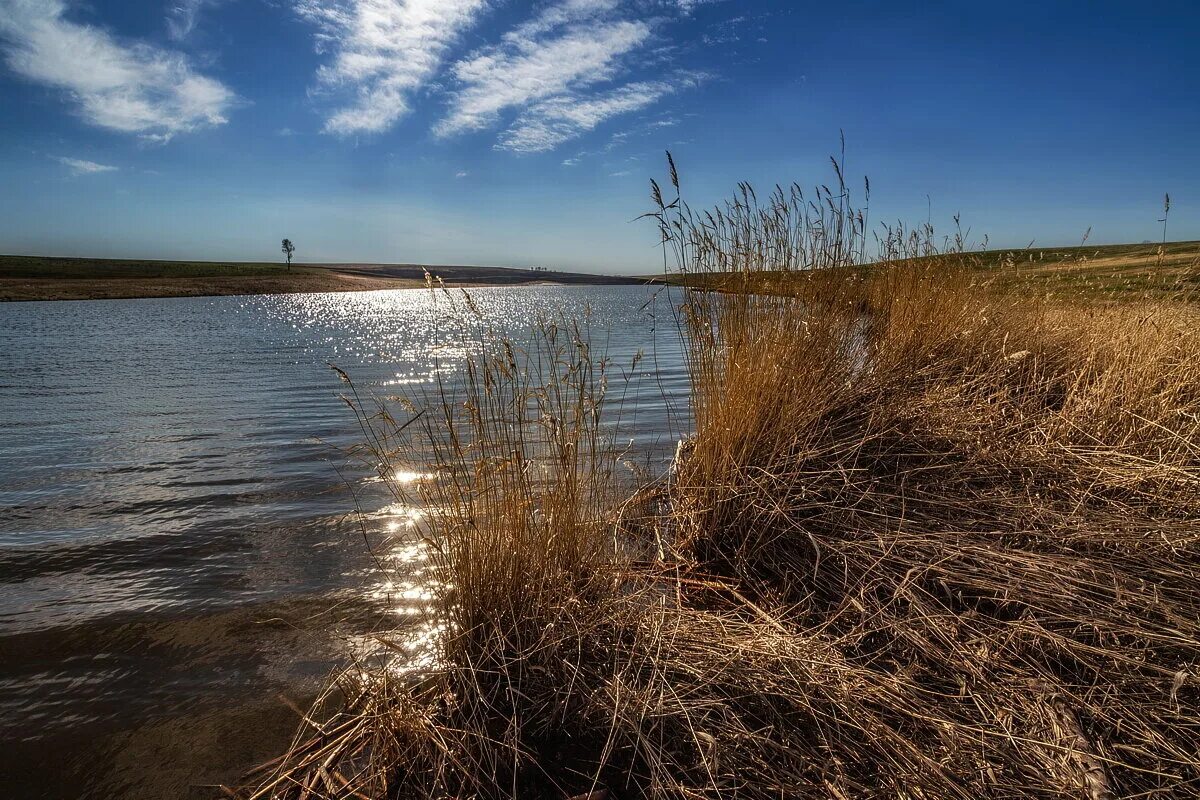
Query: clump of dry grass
[(929, 540), (988, 502)]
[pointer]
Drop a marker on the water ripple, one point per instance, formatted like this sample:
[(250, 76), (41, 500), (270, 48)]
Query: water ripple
[(177, 543)]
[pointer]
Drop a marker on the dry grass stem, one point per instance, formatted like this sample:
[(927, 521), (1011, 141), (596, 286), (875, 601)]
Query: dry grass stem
[(931, 539)]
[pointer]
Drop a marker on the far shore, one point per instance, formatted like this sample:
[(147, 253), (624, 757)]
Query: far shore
[(26, 278)]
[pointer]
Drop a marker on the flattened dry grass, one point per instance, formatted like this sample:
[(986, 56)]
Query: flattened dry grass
[(929, 540), (988, 505)]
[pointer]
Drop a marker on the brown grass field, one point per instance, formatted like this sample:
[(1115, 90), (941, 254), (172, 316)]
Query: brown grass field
[(1117, 273), (934, 536)]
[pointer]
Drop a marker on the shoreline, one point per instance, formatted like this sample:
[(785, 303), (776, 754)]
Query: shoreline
[(33, 279), (17, 290)]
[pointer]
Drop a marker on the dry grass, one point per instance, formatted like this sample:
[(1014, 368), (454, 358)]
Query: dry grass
[(1122, 273), (929, 540)]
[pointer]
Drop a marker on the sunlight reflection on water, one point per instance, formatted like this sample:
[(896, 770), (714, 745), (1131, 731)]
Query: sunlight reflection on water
[(176, 504)]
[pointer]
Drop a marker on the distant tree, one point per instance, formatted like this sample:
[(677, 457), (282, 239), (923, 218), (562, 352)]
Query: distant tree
[(288, 248), (1166, 213)]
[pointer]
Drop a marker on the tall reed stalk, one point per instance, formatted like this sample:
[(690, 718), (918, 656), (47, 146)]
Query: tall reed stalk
[(930, 539)]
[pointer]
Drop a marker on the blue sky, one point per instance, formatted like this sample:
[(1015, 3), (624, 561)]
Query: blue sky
[(513, 133)]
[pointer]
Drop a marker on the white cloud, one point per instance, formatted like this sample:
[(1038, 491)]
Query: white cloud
[(79, 166), (688, 6), (182, 16), (559, 73), (548, 124), (462, 173), (495, 82), (384, 50), (567, 47), (564, 13), (132, 88)]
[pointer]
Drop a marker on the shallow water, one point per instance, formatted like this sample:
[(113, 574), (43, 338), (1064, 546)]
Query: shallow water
[(178, 539)]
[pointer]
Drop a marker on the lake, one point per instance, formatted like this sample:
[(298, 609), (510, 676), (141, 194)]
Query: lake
[(180, 541)]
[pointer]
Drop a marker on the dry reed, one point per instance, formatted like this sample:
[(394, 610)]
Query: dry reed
[(930, 540)]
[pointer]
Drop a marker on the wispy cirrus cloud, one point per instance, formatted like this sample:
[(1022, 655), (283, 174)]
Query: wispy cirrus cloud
[(551, 78), (688, 6), (559, 73), (546, 125), (383, 51), (182, 16), (499, 80), (79, 166), (131, 88)]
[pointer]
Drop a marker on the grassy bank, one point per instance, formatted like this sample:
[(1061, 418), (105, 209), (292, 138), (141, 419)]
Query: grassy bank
[(46, 278), (1117, 273), (1123, 273), (931, 538), (43, 278)]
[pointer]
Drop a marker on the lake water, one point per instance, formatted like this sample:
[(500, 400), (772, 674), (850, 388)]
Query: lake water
[(178, 539)]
